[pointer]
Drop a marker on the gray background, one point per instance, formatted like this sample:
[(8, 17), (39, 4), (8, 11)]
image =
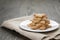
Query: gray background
[(16, 8)]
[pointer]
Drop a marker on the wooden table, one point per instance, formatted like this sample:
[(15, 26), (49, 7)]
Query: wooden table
[(17, 8)]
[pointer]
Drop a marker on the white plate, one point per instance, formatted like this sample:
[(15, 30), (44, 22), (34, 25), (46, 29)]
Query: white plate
[(54, 25)]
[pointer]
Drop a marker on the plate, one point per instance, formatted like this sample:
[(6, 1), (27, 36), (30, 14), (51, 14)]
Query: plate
[(24, 25)]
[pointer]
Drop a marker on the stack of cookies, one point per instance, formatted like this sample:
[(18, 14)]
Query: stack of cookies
[(39, 21)]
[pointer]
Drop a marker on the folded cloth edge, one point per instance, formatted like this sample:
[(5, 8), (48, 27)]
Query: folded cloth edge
[(11, 24)]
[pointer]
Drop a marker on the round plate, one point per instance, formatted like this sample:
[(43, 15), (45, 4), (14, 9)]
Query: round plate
[(54, 25)]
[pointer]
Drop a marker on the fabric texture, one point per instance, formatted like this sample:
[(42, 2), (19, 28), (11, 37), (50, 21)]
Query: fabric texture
[(13, 24)]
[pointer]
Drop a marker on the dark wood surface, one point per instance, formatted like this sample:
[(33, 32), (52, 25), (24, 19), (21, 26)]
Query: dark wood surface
[(17, 8)]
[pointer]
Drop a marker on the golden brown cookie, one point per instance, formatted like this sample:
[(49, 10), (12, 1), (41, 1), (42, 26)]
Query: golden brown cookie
[(44, 18), (48, 26), (31, 24), (38, 24), (34, 27), (37, 15), (42, 28), (42, 22), (47, 21)]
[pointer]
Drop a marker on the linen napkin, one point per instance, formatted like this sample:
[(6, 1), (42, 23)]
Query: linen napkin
[(13, 24)]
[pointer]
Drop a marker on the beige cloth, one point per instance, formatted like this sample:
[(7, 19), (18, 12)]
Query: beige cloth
[(13, 24)]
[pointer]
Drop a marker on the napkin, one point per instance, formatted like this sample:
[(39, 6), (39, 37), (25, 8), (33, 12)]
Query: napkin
[(13, 24)]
